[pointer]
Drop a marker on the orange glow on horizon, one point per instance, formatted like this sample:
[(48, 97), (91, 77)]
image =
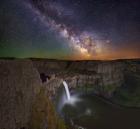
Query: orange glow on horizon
[(127, 54)]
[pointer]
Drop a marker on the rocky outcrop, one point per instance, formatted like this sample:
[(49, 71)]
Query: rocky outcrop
[(24, 102), (19, 84)]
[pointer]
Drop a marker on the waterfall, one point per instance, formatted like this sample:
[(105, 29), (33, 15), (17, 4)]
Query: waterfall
[(67, 90)]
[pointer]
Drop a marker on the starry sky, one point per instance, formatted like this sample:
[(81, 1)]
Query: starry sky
[(70, 29)]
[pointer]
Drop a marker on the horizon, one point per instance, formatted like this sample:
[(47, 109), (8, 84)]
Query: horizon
[(32, 58)]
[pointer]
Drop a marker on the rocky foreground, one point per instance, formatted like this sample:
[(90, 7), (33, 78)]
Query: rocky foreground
[(28, 85)]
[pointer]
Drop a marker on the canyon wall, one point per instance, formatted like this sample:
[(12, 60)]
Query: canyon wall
[(103, 76)]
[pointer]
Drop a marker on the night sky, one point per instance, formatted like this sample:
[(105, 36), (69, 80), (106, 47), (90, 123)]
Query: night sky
[(70, 29)]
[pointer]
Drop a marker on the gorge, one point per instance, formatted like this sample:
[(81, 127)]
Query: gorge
[(28, 88)]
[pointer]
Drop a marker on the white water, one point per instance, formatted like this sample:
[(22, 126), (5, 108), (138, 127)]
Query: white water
[(67, 90), (67, 98)]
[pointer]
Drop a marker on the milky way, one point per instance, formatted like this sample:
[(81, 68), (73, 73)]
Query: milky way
[(56, 18), (70, 29)]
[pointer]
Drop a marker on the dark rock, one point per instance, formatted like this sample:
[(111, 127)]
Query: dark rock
[(19, 84)]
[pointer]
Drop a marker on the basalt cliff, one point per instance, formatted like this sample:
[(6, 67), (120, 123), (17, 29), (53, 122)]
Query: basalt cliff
[(27, 87), (103, 77)]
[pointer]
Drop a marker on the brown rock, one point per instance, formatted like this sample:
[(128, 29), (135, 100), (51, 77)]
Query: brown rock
[(19, 84)]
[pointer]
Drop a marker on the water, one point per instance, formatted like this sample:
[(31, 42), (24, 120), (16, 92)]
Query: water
[(93, 112), (67, 90)]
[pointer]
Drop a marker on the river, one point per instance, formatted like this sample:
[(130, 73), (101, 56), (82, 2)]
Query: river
[(93, 112)]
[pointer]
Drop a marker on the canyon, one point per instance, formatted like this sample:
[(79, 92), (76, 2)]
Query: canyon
[(28, 87)]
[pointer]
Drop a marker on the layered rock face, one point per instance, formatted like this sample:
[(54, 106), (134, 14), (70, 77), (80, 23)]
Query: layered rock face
[(103, 76), (19, 84)]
